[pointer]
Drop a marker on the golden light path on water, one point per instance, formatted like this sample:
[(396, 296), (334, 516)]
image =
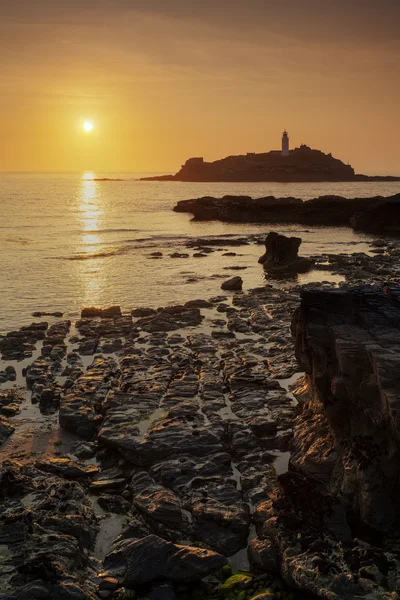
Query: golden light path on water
[(92, 273)]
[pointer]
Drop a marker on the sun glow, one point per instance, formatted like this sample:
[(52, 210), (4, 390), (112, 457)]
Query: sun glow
[(88, 126)]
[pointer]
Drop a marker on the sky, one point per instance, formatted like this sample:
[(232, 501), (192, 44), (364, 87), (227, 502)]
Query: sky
[(164, 80)]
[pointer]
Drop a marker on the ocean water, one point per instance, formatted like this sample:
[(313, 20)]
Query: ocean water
[(67, 241)]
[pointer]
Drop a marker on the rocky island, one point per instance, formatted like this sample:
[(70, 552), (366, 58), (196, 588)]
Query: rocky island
[(301, 164)]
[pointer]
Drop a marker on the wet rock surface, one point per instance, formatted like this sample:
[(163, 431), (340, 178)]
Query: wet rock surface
[(158, 431), (142, 451)]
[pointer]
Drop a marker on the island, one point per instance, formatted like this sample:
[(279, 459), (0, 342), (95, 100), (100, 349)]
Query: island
[(302, 164)]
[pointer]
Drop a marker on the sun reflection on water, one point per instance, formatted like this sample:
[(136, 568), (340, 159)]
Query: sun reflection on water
[(93, 273), (91, 213)]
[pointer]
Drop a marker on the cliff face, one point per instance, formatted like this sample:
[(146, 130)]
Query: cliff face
[(332, 521), (348, 436)]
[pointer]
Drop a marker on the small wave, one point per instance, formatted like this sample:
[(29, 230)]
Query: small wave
[(18, 240), (111, 230), (101, 254)]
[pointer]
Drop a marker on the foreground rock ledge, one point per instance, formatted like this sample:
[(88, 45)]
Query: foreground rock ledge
[(333, 518), (348, 342)]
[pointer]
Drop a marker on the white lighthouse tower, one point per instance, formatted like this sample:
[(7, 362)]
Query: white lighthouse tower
[(285, 144)]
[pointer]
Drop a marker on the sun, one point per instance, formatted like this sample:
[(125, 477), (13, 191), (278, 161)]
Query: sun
[(88, 126)]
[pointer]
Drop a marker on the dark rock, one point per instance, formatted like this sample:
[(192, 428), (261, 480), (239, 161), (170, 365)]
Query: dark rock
[(5, 429), (348, 344), (18, 345), (109, 479), (10, 401), (172, 435), (104, 313), (170, 318), (369, 214), (220, 519), (36, 590), (282, 254), (151, 558), (381, 216), (109, 583), (114, 504), (162, 592), (235, 268), (47, 314), (234, 284), (198, 304), (264, 427), (143, 312), (9, 374), (86, 450), (219, 240), (263, 556), (157, 503), (217, 299), (81, 405), (67, 468), (48, 526)]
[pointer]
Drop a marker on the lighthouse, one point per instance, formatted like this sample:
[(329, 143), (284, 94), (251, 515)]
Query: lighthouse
[(285, 144)]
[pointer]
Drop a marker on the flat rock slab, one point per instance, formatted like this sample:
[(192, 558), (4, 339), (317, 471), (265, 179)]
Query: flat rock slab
[(67, 468), (151, 558)]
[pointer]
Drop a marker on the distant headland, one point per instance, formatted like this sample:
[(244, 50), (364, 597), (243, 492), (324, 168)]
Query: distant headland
[(301, 164)]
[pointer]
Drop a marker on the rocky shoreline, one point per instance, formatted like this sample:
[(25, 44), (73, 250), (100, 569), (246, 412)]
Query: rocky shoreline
[(181, 453), (371, 215)]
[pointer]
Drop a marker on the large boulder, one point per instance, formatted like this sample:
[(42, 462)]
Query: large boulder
[(142, 561), (234, 284), (281, 254)]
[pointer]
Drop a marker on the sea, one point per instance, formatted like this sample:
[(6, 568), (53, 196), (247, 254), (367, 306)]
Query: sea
[(68, 241)]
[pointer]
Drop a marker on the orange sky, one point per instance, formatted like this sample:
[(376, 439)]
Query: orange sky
[(164, 80)]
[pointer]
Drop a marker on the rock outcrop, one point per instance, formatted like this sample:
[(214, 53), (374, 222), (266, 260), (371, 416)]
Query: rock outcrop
[(333, 517), (348, 342), (281, 255), (375, 214), (380, 216)]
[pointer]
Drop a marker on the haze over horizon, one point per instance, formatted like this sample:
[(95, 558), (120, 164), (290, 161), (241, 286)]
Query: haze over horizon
[(162, 82)]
